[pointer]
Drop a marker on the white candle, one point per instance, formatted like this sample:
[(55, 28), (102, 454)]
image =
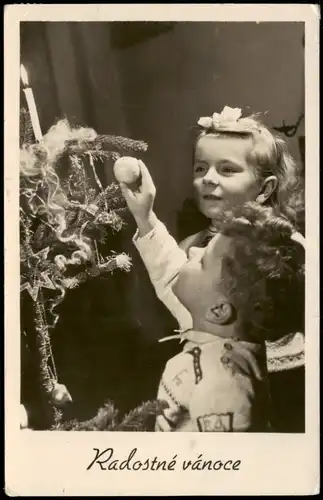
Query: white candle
[(31, 105)]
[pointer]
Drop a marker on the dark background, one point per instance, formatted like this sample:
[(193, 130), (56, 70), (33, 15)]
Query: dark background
[(151, 81)]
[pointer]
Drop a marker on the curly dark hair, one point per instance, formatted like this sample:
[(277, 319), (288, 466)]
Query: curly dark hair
[(264, 272)]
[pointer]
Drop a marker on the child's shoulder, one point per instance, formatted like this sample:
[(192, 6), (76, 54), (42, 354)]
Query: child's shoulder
[(193, 240)]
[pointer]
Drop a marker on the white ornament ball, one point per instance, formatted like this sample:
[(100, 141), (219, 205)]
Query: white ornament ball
[(60, 395), (23, 417), (126, 169)]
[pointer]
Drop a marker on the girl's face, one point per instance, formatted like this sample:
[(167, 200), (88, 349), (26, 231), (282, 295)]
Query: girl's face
[(223, 175)]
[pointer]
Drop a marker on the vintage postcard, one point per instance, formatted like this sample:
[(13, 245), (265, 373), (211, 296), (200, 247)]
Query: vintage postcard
[(161, 250)]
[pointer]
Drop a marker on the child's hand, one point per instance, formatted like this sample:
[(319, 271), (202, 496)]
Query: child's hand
[(140, 200)]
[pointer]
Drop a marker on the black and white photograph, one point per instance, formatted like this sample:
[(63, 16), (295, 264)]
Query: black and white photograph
[(163, 233)]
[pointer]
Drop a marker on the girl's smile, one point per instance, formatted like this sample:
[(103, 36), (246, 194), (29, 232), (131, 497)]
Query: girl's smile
[(211, 197)]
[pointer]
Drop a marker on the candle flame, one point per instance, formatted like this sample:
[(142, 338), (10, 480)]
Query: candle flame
[(24, 75)]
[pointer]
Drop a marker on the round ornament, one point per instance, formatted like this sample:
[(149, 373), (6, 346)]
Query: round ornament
[(126, 169)]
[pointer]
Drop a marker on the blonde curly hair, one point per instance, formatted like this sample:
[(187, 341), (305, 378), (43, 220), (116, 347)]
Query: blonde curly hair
[(269, 156)]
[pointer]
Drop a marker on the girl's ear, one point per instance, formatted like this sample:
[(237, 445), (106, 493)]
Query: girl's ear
[(222, 313), (268, 187)]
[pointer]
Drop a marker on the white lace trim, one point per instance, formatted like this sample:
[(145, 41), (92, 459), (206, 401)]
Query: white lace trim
[(286, 353), (286, 362)]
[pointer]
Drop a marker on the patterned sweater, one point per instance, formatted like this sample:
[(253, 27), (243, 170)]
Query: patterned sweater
[(215, 385)]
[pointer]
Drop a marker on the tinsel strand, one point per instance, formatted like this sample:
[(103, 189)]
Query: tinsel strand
[(43, 341), (26, 227), (41, 335), (97, 180), (50, 356)]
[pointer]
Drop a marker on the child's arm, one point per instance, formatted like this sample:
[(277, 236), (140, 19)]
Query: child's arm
[(159, 251), (163, 260)]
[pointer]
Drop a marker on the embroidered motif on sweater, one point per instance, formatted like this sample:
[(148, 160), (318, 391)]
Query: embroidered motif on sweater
[(178, 379), (216, 422), (196, 353), (286, 362), (168, 392)]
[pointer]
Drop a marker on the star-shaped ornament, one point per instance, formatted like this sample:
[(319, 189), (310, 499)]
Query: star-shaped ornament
[(41, 281)]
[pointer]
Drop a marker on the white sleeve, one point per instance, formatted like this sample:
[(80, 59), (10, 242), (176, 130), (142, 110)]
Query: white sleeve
[(163, 259)]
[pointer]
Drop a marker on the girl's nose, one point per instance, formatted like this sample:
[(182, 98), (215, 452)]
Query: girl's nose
[(211, 177)]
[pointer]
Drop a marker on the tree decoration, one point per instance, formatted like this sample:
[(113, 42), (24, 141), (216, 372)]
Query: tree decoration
[(66, 215), (141, 419), (126, 170)]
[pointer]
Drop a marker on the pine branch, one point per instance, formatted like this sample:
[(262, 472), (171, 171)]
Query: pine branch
[(100, 155), (111, 196), (43, 236), (26, 134), (139, 419), (106, 419), (120, 144), (104, 143), (103, 235)]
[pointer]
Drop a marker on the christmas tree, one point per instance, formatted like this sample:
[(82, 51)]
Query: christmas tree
[(66, 216)]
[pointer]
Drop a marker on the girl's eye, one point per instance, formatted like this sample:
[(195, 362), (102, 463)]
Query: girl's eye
[(227, 169), (200, 167)]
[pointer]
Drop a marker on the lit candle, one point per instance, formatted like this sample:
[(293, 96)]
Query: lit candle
[(31, 104)]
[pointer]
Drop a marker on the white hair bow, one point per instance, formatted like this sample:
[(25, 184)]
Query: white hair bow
[(227, 115)]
